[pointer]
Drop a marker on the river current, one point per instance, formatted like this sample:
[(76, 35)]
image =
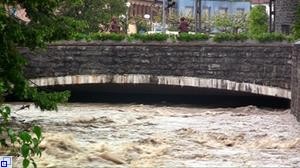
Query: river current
[(137, 135)]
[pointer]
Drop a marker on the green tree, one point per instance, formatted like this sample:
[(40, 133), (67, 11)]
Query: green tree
[(222, 22), (206, 23), (96, 13), (45, 25), (296, 28), (230, 23), (142, 24), (258, 20), (239, 22), (173, 20)]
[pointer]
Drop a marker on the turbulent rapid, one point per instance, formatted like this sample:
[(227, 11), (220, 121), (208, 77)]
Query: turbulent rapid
[(130, 135)]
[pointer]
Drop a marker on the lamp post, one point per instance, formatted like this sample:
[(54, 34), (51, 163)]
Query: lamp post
[(147, 17), (151, 21), (198, 15), (272, 16), (128, 4), (164, 17)]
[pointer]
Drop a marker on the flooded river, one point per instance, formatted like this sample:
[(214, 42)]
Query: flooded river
[(130, 135)]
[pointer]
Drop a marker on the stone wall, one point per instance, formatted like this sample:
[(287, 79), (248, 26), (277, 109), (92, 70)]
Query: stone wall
[(295, 104), (285, 11), (268, 65)]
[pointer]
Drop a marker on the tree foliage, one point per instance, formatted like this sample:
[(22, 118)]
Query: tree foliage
[(142, 25), (173, 20), (230, 23), (258, 20), (96, 13), (296, 28), (223, 22), (45, 25)]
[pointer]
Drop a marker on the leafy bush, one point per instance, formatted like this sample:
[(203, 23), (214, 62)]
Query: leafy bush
[(296, 28), (173, 38), (192, 37), (221, 37), (269, 37), (291, 38), (27, 145), (79, 36), (150, 37), (107, 36), (141, 24), (258, 20), (230, 23)]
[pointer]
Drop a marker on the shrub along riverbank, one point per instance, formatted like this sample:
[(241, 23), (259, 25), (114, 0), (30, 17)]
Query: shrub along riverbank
[(218, 38)]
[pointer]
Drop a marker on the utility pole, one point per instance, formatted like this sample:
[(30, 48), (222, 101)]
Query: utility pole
[(272, 16), (164, 17), (198, 16)]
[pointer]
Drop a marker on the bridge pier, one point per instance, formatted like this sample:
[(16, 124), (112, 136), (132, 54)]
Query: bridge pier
[(295, 104)]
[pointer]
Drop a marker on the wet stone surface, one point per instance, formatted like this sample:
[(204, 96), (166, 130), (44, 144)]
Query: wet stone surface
[(128, 135)]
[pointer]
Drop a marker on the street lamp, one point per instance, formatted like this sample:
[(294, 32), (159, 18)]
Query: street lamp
[(147, 17), (128, 4)]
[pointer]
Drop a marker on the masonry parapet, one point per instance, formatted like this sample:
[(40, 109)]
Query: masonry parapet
[(246, 67)]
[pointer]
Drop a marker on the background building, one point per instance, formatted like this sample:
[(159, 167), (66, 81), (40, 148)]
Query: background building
[(285, 14), (138, 8), (213, 7), (137, 11), (285, 10)]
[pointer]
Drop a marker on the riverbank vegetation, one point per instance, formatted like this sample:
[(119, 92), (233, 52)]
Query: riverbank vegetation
[(30, 24), (185, 37), (296, 28)]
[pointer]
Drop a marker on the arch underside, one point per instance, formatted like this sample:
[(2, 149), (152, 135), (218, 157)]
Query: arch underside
[(164, 80)]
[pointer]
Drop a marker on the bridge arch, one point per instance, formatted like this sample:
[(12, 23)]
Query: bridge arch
[(182, 81)]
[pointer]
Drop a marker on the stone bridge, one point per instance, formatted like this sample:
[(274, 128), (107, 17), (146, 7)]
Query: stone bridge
[(263, 69)]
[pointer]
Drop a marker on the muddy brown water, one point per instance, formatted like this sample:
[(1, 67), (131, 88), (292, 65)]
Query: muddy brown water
[(130, 135)]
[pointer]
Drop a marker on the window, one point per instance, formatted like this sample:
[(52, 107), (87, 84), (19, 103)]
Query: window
[(223, 10), (188, 11), (240, 10), (206, 11), (285, 29)]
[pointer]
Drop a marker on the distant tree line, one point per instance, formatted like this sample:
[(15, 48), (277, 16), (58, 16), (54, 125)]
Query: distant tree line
[(97, 14)]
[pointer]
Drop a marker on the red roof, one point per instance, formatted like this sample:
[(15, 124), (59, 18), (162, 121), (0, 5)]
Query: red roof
[(260, 1)]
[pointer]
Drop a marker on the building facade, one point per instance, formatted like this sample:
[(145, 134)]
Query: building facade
[(139, 8), (285, 15), (213, 7)]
